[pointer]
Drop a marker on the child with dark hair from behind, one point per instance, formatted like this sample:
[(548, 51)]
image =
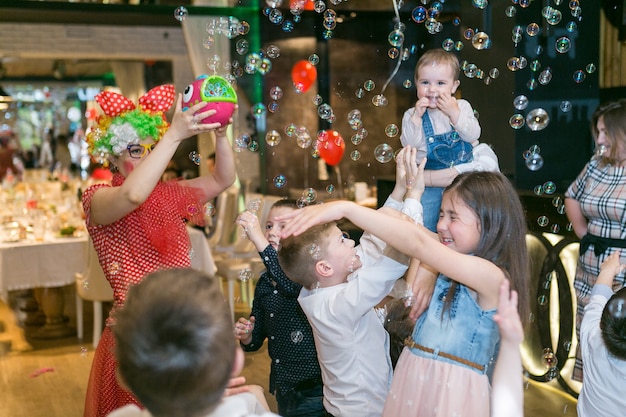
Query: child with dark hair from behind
[(176, 350), (295, 377), (603, 345)]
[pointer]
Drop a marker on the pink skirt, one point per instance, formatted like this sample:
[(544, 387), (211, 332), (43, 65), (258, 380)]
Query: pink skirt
[(423, 387), (104, 393)]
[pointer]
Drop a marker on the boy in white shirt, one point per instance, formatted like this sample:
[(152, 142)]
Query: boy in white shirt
[(341, 285)]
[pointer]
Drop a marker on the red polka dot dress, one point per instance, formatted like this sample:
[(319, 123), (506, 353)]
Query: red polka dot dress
[(150, 238)]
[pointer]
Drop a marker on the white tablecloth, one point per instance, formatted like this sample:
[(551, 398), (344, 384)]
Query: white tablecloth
[(28, 264)]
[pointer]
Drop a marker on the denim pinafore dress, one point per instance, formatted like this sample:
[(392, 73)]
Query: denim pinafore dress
[(444, 151)]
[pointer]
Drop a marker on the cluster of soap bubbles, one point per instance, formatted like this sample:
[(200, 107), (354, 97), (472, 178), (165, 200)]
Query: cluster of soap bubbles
[(536, 119), (245, 141), (296, 8), (356, 123), (276, 93), (195, 157), (309, 195), (429, 16), (557, 202), (300, 133), (548, 187), (532, 157)]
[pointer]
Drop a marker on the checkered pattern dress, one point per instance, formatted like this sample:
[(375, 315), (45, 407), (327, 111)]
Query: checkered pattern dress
[(601, 193)]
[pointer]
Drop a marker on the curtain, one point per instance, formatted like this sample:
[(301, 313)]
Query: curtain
[(129, 77)]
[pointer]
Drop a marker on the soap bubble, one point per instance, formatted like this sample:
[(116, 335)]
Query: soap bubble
[(565, 106), (533, 29), (537, 119), (181, 13), (303, 138), (272, 138), (369, 85), (330, 188), (280, 181), (520, 102), (549, 358), (272, 51), (276, 93), (310, 195), (391, 130), (510, 11), (563, 44), (419, 14), (379, 100), (579, 76), (297, 336), (315, 251), (209, 209), (383, 153), (534, 162), (258, 110), (549, 187), (517, 121), (355, 155), (245, 275), (546, 76)]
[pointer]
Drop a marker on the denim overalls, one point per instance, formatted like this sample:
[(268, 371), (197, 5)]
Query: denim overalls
[(444, 151)]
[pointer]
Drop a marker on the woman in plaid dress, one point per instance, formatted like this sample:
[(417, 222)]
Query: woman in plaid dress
[(596, 206)]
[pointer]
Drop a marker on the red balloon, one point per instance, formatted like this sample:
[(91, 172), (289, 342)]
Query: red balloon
[(303, 75), (331, 150), (308, 4)]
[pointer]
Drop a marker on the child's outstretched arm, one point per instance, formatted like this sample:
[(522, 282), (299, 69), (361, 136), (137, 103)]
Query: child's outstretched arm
[(481, 275), (609, 268), (251, 226), (421, 281), (225, 170), (110, 204), (507, 396)]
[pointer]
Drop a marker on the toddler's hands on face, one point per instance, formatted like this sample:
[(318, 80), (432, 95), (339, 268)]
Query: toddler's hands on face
[(447, 104), (421, 105)]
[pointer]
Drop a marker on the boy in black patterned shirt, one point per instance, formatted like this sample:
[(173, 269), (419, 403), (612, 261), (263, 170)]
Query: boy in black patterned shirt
[(295, 377)]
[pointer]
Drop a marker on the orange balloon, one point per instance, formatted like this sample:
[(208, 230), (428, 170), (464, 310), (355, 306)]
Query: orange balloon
[(331, 150), (303, 75)]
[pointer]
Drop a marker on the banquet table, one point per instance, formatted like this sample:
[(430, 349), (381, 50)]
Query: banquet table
[(45, 267)]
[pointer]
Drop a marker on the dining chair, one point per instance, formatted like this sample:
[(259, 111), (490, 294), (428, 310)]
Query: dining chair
[(92, 285)]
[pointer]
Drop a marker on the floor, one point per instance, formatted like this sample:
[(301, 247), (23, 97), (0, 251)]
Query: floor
[(47, 378)]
